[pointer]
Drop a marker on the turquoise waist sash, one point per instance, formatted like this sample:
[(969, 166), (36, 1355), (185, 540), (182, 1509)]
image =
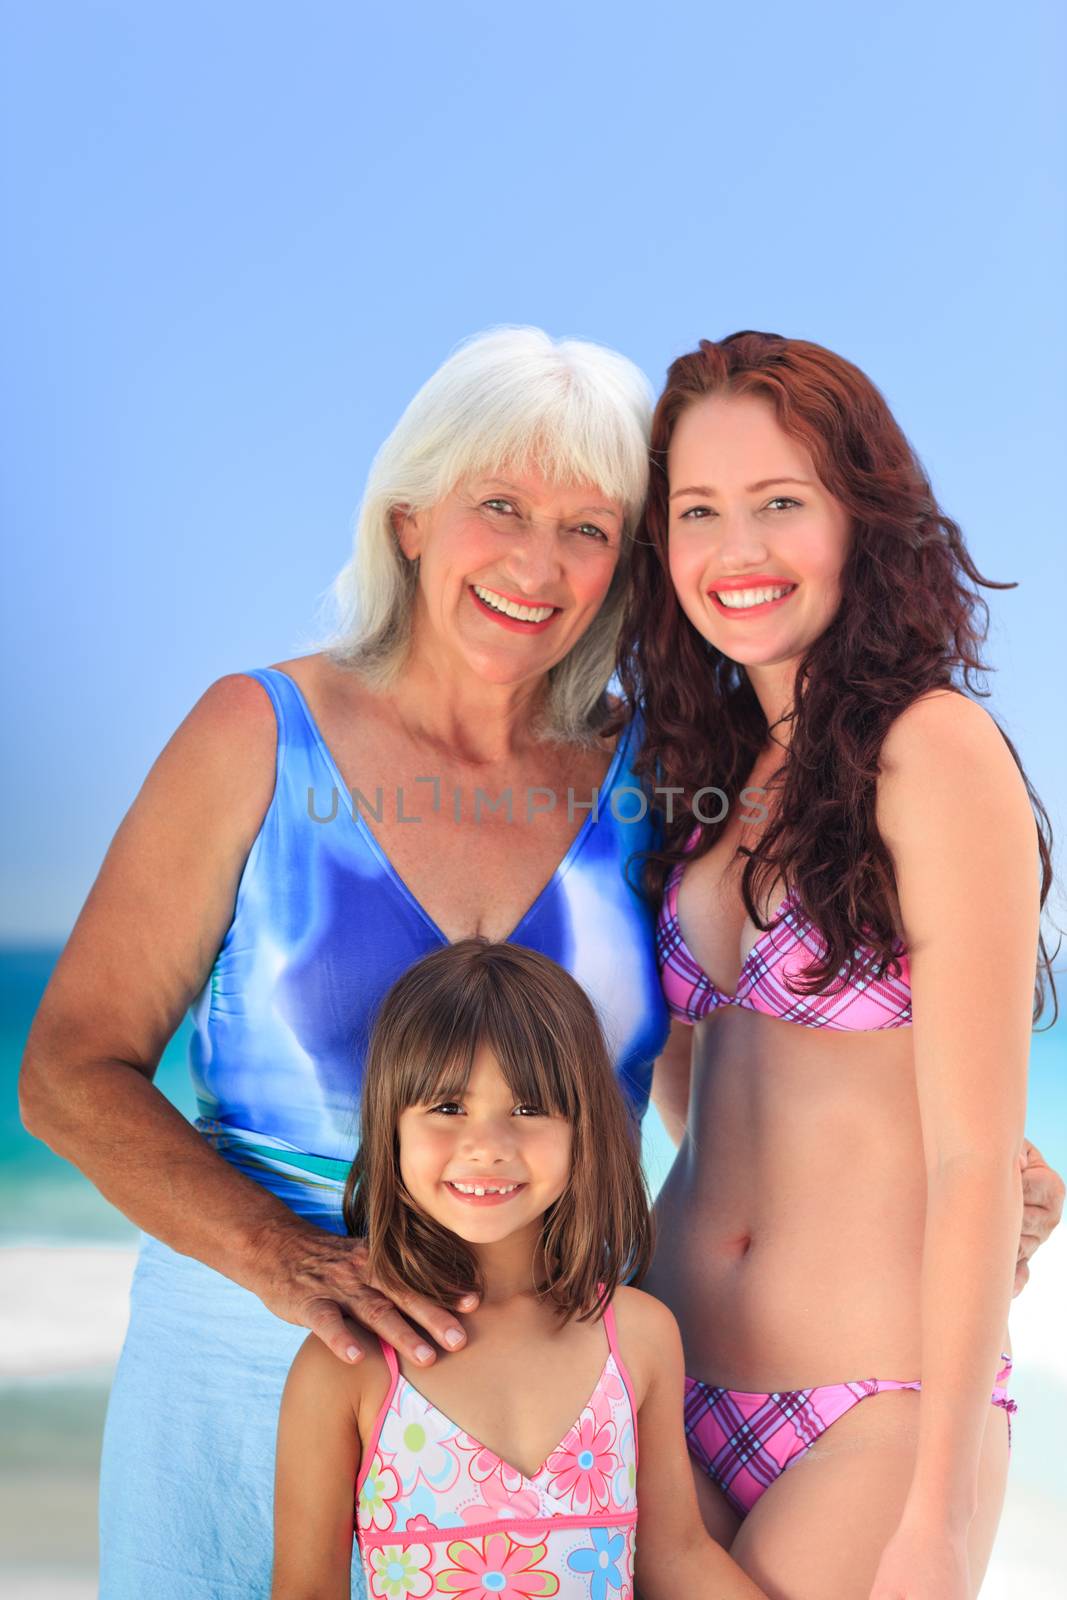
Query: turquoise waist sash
[(313, 1186)]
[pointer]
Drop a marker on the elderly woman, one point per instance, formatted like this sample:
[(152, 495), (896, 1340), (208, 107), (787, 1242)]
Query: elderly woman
[(311, 830)]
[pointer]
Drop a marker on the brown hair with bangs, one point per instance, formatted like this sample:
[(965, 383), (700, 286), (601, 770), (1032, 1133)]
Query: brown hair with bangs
[(542, 1027)]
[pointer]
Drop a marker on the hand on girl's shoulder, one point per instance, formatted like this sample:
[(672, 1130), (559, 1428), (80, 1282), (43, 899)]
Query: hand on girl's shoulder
[(649, 1341)]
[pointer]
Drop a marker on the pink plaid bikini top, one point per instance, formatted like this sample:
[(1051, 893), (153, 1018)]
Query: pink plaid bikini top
[(863, 1003), (438, 1512)]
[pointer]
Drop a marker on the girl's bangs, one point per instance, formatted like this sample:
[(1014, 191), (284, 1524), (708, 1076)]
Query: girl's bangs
[(433, 1069), (439, 1059)]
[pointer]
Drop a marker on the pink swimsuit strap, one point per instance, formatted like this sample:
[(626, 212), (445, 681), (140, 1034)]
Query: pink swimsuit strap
[(440, 1511), (785, 952)]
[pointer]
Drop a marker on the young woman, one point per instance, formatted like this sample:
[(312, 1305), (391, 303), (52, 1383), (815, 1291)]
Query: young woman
[(853, 880), (498, 1161)]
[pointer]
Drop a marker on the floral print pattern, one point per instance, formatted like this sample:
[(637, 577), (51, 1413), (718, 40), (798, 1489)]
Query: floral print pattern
[(624, 1483), (378, 1492), (602, 1561), (416, 1438), (438, 1513), (582, 1471), (484, 1465), (497, 1565), (401, 1572), (497, 1505)]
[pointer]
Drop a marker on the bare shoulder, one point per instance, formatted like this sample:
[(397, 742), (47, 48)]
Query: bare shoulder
[(316, 1368), (338, 697), (648, 1335), (944, 730), (947, 773), (233, 707), (642, 1314), (320, 675), (318, 1377), (225, 750), (157, 913), (307, 671)]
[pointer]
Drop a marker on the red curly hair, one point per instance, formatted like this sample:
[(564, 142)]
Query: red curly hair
[(911, 619)]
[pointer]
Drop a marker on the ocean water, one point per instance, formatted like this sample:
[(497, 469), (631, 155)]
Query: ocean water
[(65, 1260), (42, 1197)]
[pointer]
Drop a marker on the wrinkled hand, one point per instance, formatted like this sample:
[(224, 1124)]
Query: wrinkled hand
[(319, 1280), (921, 1564), (1043, 1191)]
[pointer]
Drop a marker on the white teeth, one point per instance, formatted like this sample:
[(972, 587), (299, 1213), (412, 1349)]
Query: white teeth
[(739, 599), (510, 609), (485, 1188)]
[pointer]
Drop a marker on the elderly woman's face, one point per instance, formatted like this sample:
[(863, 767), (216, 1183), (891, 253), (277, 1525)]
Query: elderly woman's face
[(512, 570)]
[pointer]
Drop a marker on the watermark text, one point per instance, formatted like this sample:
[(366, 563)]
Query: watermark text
[(626, 802)]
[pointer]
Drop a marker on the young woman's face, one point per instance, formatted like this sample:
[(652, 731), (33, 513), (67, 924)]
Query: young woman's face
[(514, 542), (518, 1155), (757, 544)]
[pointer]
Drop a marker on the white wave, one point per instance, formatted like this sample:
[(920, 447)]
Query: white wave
[(64, 1308)]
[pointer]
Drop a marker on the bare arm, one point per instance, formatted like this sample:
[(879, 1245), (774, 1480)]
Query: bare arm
[(315, 1473), (954, 813), (675, 1554), (141, 950), (670, 1080)]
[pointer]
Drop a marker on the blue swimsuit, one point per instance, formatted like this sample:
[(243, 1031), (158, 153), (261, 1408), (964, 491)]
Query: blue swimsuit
[(322, 926)]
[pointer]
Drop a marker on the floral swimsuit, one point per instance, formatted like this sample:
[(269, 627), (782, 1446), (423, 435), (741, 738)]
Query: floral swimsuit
[(438, 1513)]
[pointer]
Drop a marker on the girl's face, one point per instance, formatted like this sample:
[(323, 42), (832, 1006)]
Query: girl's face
[(513, 543), (518, 1156), (757, 544)]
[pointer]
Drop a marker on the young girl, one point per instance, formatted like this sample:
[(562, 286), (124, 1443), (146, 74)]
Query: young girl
[(498, 1167)]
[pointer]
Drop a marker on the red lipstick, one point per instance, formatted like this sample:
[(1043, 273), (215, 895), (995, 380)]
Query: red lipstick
[(757, 581), (514, 624)]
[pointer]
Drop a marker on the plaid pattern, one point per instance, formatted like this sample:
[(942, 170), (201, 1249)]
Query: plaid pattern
[(745, 1441), (864, 1003)]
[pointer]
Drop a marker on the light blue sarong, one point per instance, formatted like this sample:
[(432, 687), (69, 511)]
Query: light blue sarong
[(208, 1359)]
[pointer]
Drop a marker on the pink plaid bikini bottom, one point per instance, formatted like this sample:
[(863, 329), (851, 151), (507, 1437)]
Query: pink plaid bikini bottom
[(745, 1441)]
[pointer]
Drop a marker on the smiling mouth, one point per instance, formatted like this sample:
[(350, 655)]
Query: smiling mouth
[(484, 1193), (512, 608), (761, 596)]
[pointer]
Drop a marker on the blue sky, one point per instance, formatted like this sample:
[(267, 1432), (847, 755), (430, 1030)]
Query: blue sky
[(241, 236)]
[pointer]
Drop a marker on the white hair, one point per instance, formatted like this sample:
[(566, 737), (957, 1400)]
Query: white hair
[(514, 397)]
